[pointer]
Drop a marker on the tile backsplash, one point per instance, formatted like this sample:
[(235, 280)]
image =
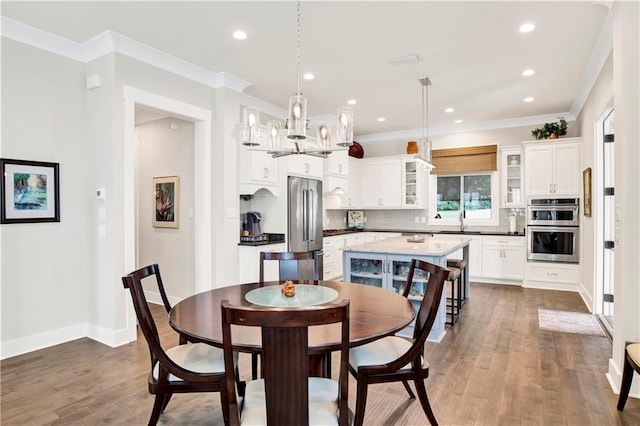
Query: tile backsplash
[(412, 220)]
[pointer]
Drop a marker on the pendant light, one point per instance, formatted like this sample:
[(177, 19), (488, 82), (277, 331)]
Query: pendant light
[(296, 124), (424, 151)]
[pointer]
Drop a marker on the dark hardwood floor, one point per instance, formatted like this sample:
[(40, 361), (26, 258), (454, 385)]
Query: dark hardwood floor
[(494, 367)]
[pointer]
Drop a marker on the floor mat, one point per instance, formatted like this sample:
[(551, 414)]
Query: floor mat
[(569, 322)]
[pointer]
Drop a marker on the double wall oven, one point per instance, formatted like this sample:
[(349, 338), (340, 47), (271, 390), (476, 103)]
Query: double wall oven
[(553, 230)]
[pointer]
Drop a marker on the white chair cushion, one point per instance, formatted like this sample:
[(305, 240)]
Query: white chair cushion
[(323, 403), (381, 351), (634, 352), (197, 357)]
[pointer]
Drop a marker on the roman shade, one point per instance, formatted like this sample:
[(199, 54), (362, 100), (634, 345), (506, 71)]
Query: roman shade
[(465, 160)]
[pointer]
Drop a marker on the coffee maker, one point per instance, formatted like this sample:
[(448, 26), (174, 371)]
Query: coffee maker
[(253, 223)]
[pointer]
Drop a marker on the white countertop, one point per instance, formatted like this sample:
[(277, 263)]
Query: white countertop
[(440, 246)]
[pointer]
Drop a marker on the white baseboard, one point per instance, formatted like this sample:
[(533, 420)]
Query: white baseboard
[(614, 375), (546, 285), (43, 340)]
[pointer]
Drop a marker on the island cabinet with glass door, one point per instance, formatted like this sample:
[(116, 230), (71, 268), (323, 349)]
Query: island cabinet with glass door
[(385, 264)]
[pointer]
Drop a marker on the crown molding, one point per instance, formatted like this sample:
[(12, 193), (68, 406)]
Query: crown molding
[(533, 120), (112, 42)]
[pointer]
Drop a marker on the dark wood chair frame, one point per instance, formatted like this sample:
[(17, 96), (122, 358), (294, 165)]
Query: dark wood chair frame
[(285, 358), (288, 270), (627, 376), (288, 263), (161, 387), (394, 371)]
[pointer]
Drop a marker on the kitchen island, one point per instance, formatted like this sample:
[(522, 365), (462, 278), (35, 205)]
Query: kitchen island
[(385, 264)]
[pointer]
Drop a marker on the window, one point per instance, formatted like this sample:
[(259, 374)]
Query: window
[(471, 194)]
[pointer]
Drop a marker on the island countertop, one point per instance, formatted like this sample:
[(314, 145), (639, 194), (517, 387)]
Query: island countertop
[(401, 245)]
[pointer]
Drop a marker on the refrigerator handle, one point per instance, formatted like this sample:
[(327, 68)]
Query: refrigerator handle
[(311, 218), (305, 215)]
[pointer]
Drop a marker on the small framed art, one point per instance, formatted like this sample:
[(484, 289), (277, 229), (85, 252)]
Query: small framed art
[(30, 191), (586, 186), (166, 201)]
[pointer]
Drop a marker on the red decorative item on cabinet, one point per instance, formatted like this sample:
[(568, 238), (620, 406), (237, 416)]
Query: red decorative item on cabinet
[(356, 150)]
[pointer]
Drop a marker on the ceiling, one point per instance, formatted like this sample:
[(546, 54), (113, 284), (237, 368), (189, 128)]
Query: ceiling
[(471, 51)]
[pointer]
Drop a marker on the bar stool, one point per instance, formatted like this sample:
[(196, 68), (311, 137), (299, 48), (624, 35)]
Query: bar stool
[(462, 265), (454, 302)]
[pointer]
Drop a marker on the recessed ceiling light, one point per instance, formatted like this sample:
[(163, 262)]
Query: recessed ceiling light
[(449, 110), (458, 121), (240, 35), (308, 76), (406, 59), (381, 119), (529, 99), (527, 27), (527, 73), (352, 102)]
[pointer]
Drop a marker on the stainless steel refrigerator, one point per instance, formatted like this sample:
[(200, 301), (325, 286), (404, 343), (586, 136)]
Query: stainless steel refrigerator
[(305, 218)]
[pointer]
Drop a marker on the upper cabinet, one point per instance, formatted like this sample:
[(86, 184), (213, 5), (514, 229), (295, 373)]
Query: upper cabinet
[(512, 177), (336, 171), (414, 184), (353, 198), (552, 169), (381, 179), (305, 166), (257, 170)]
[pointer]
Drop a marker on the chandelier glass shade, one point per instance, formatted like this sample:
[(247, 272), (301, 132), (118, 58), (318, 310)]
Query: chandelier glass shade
[(297, 141)]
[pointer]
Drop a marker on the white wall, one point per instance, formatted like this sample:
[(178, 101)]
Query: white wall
[(46, 267), (164, 150), (598, 99)]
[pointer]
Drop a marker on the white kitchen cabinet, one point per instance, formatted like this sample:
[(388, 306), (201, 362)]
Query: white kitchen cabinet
[(381, 183), (553, 169), (332, 256), (336, 172), (552, 276), (414, 184), (305, 166), (249, 258), (337, 164), (257, 170), (475, 254), (503, 258), (353, 198), (512, 177)]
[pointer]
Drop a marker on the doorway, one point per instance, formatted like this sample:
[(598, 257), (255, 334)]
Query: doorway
[(606, 232)]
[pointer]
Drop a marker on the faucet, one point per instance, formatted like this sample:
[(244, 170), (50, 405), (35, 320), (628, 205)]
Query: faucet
[(462, 225)]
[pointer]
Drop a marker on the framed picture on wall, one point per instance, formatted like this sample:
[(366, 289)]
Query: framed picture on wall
[(30, 191), (586, 187), (166, 201)]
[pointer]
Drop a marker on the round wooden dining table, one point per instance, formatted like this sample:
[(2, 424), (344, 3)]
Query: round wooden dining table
[(374, 313)]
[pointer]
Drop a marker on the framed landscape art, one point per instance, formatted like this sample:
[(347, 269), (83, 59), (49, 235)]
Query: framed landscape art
[(586, 189), (166, 201), (30, 191)]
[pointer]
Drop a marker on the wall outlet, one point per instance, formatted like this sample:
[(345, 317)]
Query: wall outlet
[(423, 219), (417, 219)]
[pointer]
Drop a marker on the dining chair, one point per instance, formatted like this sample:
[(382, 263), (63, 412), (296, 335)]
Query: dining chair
[(154, 270), (290, 264), (286, 395), (396, 359), (192, 367), (293, 266), (631, 363)]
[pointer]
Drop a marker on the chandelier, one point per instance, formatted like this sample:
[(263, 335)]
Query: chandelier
[(424, 150), (269, 138)]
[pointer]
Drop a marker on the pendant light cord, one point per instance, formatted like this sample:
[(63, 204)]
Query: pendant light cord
[(298, 37)]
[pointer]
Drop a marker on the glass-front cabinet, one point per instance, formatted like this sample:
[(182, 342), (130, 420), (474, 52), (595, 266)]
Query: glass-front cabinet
[(511, 170), (414, 184)]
